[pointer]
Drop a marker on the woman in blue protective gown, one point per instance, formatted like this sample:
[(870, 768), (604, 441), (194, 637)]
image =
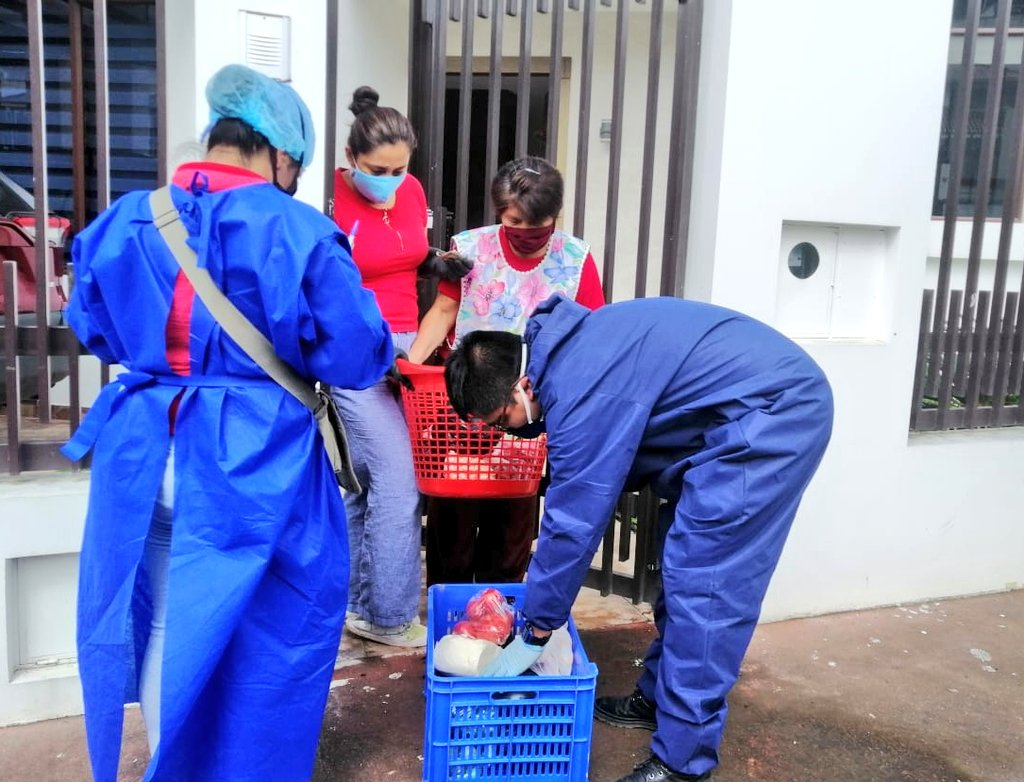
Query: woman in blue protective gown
[(724, 418), (214, 562)]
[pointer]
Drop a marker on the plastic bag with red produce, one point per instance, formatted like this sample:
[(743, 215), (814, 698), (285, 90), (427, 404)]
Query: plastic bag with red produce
[(488, 617)]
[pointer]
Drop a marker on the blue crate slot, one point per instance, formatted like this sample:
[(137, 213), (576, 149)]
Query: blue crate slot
[(516, 729)]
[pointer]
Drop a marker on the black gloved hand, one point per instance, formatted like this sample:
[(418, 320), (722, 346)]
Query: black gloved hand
[(444, 265), (396, 379)]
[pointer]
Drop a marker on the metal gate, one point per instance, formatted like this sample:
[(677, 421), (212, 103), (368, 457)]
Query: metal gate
[(491, 80)]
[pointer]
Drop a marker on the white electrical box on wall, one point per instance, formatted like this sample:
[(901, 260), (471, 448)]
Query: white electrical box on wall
[(834, 281), (266, 44)]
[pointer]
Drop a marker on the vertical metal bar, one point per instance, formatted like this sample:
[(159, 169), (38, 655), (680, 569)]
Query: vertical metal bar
[(928, 301), (483, 9), (641, 551), (608, 556), (555, 81), (1016, 377), (465, 117), (439, 72), (77, 116), (629, 511), (419, 81), (1011, 208), (586, 80), (646, 554), (331, 106), (956, 164), (455, 11), (615, 150), (990, 127), (11, 380), (523, 86), (683, 129), (999, 383), (948, 357), (650, 134), (41, 187), (99, 24), (74, 392), (977, 337), (652, 571), (99, 20), (161, 92), (493, 105)]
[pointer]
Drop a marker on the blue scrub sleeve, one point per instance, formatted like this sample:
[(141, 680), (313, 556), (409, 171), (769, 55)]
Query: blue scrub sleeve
[(590, 453), (87, 313), (350, 345)]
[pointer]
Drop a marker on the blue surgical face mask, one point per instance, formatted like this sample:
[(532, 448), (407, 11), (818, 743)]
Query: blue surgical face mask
[(375, 189)]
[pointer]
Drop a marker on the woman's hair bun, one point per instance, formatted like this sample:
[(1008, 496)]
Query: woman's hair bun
[(363, 99)]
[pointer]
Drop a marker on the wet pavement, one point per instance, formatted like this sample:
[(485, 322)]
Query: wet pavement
[(929, 692)]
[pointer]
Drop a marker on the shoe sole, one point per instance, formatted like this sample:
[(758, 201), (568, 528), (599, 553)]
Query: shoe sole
[(387, 640), (620, 722)]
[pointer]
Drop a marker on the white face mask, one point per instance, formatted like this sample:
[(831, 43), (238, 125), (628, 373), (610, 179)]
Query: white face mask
[(521, 391)]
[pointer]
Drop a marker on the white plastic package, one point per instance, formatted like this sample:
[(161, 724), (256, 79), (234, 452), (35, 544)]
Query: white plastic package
[(457, 655), (556, 659)]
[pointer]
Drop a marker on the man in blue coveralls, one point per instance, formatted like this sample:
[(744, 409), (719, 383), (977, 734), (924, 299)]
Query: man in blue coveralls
[(721, 416)]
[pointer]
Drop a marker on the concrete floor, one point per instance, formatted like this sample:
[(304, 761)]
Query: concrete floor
[(916, 693)]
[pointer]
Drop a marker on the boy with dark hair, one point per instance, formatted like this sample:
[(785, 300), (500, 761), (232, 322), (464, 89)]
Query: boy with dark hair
[(721, 416)]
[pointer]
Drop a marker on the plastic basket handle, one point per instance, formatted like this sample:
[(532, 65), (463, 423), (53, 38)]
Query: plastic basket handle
[(517, 695)]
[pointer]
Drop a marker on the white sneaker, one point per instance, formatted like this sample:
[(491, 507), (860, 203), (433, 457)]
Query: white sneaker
[(411, 634)]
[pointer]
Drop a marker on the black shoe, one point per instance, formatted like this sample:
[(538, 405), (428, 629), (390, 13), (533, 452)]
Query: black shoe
[(653, 770), (630, 711)]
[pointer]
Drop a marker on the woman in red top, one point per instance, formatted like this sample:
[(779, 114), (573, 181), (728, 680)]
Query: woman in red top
[(382, 209)]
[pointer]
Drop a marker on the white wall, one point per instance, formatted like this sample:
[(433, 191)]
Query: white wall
[(204, 37), (373, 49), (40, 538), (828, 113)]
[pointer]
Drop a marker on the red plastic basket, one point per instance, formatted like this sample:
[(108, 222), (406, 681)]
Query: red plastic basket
[(456, 458)]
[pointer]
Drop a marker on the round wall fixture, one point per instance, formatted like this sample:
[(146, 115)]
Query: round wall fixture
[(803, 260)]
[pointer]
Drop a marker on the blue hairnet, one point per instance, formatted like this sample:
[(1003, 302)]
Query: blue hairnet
[(268, 106)]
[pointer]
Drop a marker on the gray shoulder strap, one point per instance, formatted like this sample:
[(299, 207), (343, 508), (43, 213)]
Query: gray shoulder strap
[(238, 327)]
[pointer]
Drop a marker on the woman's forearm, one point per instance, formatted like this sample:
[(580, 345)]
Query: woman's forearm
[(433, 328)]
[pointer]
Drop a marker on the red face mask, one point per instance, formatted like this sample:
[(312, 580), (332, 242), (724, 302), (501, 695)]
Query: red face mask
[(528, 241)]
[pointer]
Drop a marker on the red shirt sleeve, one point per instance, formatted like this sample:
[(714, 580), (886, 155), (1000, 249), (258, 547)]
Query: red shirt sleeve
[(453, 290), (590, 294)]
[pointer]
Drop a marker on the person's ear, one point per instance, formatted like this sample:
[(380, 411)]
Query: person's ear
[(527, 386), (350, 157), (285, 164)]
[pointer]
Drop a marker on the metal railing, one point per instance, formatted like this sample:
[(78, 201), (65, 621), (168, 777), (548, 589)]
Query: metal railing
[(39, 350), (969, 373), (541, 64)]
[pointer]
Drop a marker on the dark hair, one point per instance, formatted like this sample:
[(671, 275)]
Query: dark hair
[(532, 184), (481, 371), (232, 132), (376, 125)]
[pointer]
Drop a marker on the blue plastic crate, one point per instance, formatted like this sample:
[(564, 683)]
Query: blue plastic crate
[(512, 728)]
